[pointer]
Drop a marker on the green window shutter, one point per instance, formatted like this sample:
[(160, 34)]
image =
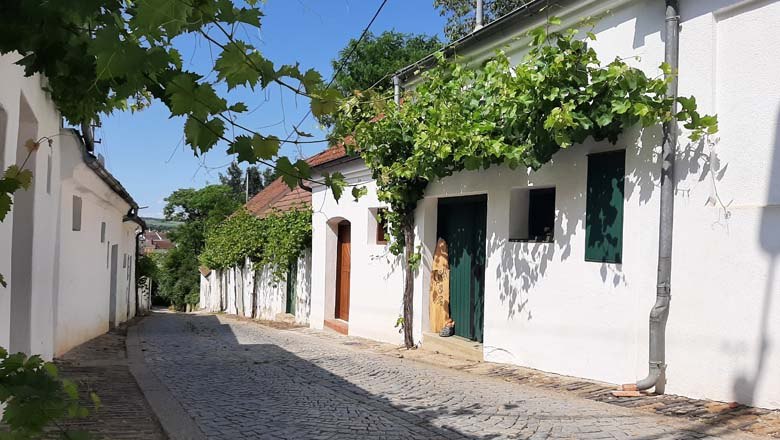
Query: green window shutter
[(604, 210)]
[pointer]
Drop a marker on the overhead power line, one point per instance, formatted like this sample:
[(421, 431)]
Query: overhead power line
[(296, 128)]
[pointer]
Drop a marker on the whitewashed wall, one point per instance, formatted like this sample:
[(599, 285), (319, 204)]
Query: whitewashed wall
[(83, 288), (376, 278), (57, 280), (244, 291), (27, 112), (549, 309)]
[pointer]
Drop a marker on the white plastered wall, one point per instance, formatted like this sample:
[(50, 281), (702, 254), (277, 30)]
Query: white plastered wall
[(255, 292), (549, 309), (84, 271), (18, 92), (376, 277)]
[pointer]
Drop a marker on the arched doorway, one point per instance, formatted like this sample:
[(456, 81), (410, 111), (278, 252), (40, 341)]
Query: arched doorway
[(22, 238), (343, 267)]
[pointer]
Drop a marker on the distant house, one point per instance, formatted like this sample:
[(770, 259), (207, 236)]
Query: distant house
[(152, 242), (69, 243), (555, 269), (242, 290)]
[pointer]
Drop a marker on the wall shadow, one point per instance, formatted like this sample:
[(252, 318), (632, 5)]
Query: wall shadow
[(523, 265), (264, 391), (746, 384)]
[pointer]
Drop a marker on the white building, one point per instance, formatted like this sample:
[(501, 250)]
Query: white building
[(545, 303), (68, 244), (253, 292)]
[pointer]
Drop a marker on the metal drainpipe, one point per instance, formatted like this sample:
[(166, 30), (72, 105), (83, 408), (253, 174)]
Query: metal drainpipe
[(479, 16), (397, 89), (656, 377)]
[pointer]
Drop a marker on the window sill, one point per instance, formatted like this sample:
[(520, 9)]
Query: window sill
[(530, 240)]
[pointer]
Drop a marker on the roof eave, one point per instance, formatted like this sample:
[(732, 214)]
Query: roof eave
[(501, 24)]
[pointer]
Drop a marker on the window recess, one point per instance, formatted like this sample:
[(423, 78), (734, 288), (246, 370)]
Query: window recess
[(532, 215)]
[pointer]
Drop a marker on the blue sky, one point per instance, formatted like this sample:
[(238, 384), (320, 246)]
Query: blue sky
[(145, 150)]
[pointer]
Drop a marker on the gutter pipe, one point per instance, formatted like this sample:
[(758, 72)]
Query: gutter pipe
[(397, 89), (656, 376)]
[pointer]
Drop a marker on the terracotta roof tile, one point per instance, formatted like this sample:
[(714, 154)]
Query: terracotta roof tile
[(279, 196)]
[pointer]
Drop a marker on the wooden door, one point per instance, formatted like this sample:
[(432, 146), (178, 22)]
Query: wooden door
[(462, 224), (342, 271)]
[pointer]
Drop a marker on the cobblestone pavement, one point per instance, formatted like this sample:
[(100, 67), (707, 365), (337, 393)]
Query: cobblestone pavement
[(239, 380), (100, 365)]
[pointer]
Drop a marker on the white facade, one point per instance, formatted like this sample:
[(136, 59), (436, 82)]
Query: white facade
[(376, 275), (59, 280), (255, 293), (545, 306)]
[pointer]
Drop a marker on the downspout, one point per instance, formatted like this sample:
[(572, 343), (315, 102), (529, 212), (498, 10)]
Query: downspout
[(479, 16), (656, 376), (397, 90)]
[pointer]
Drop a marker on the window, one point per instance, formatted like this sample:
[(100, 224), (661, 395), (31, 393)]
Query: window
[(382, 229), (532, 214), (102, 232), (76, 213), (604, 207)]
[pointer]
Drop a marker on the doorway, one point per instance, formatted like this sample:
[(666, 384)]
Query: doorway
[(292, 281), (462, 222), (21, 280), (343, 263), (112, 287)]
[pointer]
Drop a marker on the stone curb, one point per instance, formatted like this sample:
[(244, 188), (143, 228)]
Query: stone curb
[(175, 421)]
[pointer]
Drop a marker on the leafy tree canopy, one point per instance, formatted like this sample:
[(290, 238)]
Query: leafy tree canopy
[(236, 179), (199, 210), (377, 57), (104, 55), (460, 14)]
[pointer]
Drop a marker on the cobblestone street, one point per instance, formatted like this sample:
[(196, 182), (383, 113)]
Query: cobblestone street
[(238, 380)]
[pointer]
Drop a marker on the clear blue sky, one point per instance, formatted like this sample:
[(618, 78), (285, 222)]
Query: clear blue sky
[(145, 150)]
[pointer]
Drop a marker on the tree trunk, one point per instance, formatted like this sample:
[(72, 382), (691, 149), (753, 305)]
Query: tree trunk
[(408, 229)]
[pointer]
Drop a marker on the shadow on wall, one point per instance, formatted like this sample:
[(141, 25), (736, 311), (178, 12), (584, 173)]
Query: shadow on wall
[(523, 265), (747, 382), (300, 399)]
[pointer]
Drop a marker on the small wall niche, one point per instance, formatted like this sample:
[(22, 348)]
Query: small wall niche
[(377, 227), (532, 214)]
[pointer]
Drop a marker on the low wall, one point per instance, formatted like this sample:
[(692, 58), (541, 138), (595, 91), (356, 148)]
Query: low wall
[(254, 293)]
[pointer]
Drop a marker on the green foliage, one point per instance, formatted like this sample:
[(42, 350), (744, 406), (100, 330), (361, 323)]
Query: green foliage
[(461, 14), (199, 211), (236, 179), (104, 55), (35, 396), (377, 57), (462, 118), (370, 63), (274, 241)]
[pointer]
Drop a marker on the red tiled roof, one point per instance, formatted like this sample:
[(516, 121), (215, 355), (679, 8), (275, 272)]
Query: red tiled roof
[(279, 196), (331, 154)]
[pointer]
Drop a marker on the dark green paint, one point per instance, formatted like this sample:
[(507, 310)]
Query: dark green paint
[(462, 224), (292, 278), (604, 211)]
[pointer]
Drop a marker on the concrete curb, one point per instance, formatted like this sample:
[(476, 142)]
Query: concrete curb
[(175, 421)]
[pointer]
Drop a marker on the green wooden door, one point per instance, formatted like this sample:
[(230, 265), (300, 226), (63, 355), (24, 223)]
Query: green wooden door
[(292, 278), (462, 224)]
